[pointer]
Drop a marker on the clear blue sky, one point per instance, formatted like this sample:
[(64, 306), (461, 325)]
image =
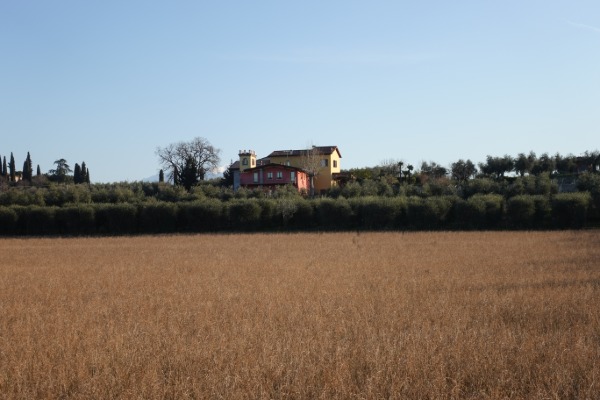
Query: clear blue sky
[(107, 82)]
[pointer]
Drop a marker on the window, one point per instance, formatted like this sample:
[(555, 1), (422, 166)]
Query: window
[(293, 176), (253, 162), (269, 175), (256, 177), (279, 175), (245, 161), (334, 163), (324, 163)]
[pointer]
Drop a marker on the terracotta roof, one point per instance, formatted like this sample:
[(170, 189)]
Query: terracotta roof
[(321, 150)]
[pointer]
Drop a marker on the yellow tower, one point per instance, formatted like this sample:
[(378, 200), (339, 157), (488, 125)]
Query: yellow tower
[(247, 159)]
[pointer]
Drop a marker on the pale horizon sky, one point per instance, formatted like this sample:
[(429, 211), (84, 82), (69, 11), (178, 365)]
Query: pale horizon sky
[(109, 82)]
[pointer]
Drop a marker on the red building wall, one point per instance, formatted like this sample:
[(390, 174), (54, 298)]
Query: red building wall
[(273, 175)]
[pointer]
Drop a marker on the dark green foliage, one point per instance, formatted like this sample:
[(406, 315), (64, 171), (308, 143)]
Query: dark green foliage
[(569, 210), (333, 214), (470, 213), (591, 183), (227, 179), (59, 195), (544, 163), (76, 220), (482, 186), (189, 176), (114, 194), (379, 213), (39, 220), (77, 174), (171, 193), (429, 213), (12, 168), (8, 221), (270, 215), (85, 173), (61, 172), (494, 208), (520, 211), (116, 219), (462, 171), (496, 167), (303, 216), (27, 169), (201, 216), (352, 189), (244, 214), (4, 168), (161, 176), (21, 197), (158, 217)]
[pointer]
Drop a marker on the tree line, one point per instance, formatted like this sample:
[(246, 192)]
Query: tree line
[(60, 173), (493, 167), (523, 192)]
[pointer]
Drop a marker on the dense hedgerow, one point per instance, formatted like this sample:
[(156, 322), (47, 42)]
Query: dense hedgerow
[(8, 220), (116, 219), (569, 210), (480, 211), (158, 217), (430, 213), (75, 220), (201, 216)]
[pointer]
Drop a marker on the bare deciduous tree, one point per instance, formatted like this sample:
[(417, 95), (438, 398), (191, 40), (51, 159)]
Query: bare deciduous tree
[(311, 163), (176, 158)]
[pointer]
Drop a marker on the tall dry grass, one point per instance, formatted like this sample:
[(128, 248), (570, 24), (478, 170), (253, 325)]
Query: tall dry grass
[(378, 315)]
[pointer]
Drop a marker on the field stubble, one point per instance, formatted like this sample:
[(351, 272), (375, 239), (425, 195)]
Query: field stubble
[(335, 315)]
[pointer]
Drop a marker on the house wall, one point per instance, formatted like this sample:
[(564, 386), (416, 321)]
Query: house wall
[(324, 180), (247, 178)]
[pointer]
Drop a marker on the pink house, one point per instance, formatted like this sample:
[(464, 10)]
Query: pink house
[(269, 176)]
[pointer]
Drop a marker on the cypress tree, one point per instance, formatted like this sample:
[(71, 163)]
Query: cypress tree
[(161, 176), (84, 173), (188, 176), (27, 168), (77, 174), (87, 175), (4, 170), (11, 167), (39, 171)]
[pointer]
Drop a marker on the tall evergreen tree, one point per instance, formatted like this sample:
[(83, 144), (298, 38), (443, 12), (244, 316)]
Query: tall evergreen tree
[(84, 173), (39, 171), (77, 174), (12, 168), (161, 176), (4, 169), (189, 175), (27, 168)]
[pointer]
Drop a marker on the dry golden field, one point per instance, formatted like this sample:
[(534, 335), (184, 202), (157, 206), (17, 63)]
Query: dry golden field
[(340, 315)]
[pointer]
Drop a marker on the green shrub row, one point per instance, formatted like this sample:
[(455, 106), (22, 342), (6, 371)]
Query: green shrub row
[(482, 211)]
